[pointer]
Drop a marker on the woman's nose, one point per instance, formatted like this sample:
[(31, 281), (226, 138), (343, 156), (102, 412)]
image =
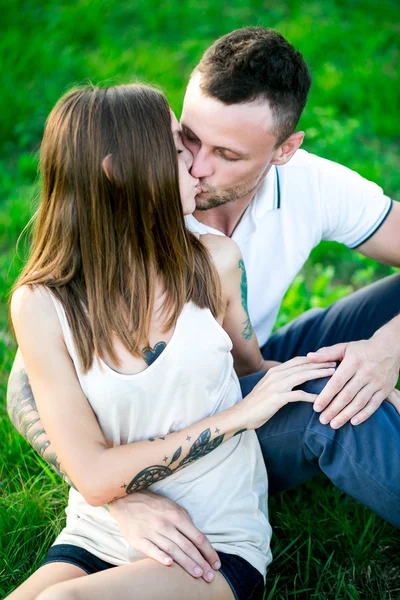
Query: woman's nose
[(188, 157)]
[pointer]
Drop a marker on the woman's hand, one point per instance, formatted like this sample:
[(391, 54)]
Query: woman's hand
[(275, 389)]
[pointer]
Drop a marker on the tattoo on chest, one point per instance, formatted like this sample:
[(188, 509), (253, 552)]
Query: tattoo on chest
[(248, 329), (201, 446), (151, 354)]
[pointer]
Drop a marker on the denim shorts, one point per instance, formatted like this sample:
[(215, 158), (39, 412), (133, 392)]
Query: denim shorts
[(245, 581)]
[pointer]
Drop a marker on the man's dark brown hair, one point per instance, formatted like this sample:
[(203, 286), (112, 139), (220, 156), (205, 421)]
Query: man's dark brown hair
[(257, 63)]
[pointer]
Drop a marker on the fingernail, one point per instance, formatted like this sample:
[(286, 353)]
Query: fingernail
[(335, 425), (354, 421), (210, 576), (167, 561), (317, 408), (324, 420), (197, 571), (217, 565)]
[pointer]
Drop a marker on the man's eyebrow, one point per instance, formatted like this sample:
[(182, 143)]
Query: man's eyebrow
[(237, 152)]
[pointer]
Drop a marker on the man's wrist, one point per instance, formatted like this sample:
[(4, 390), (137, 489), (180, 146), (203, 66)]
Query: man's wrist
[(387, 336)]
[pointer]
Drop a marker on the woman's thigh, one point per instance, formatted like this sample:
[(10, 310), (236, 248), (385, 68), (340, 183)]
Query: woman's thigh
[(43, 578), (142, 580)]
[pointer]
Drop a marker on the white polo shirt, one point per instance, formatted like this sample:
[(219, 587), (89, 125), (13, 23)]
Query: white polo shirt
[(299, 204)]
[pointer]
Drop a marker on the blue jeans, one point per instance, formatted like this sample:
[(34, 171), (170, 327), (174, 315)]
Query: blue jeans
[(362, 460)]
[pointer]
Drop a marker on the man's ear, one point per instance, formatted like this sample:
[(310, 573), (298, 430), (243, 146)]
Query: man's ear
[(285, 152), (107, 167)]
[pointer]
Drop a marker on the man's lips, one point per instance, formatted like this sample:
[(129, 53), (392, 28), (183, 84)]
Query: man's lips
[(202, 190)]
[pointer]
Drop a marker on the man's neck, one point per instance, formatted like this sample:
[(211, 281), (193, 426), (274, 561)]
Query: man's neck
[(227, 217)]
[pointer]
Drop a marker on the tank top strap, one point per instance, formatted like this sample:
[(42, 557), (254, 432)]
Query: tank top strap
[(195, 312), (66, 329)]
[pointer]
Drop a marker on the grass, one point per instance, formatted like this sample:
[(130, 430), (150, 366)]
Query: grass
[(325, 544)]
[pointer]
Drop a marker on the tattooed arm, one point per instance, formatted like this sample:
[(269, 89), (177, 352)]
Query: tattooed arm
[(236, 320), (24, 415)]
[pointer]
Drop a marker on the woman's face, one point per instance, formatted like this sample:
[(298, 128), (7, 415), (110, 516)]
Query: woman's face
[(188, 185)]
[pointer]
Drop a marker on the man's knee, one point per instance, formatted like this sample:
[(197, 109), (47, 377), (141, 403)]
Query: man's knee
[(312, 387), (315, 386)]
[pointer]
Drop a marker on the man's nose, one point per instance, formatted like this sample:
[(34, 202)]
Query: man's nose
[(201, 166)]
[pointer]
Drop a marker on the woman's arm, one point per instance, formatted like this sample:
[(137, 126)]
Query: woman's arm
[(23, 412), (100, 473), (236, 321)]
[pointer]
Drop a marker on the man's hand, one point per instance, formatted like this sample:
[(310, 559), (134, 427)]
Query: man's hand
[(162, 530), (367, 375)]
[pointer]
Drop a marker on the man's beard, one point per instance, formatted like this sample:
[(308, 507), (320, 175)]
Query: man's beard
[(226, 196)]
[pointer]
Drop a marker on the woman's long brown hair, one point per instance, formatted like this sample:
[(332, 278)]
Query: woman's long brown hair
[(100, 243)]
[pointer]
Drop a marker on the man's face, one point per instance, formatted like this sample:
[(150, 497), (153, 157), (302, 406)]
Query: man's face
[(232, 145)]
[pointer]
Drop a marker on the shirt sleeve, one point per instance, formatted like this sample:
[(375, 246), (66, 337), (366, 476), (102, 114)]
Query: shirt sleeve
[(352, 208)]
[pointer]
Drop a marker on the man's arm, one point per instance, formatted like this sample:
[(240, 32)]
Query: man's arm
[(384, 245), (369, 369)]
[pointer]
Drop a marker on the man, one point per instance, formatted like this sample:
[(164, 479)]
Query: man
[(241, 108)]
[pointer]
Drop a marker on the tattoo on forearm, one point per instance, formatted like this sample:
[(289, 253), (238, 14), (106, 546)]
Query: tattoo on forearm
[(248, 329), (240, 431), (203, 445), (151, 354), (25, 417)]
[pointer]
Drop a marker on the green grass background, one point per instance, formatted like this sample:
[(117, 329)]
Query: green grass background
[(325, 545)]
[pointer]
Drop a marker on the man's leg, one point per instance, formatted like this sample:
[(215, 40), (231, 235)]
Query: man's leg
[(363, 461), (355, 317)]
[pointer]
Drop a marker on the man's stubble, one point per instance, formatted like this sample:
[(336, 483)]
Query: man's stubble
[(227, 196)]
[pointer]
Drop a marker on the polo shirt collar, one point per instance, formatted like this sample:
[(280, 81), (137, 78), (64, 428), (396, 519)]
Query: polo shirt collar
[(268, 196)]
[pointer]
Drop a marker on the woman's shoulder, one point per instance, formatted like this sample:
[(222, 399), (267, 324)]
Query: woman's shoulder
[(31, 305), (224, 252)]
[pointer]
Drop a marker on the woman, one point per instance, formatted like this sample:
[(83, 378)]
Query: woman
[(118, 315)]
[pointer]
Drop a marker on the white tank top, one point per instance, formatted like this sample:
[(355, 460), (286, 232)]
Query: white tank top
[(225, 492)]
